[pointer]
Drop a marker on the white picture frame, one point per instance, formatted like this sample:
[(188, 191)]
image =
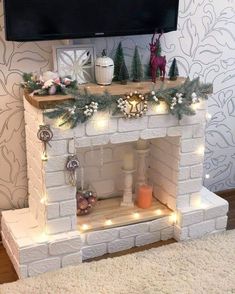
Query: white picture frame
[(77, 61)]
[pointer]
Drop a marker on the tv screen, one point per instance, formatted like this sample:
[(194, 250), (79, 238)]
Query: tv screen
[(28, 20)]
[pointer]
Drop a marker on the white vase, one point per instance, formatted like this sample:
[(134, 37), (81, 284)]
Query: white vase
[(104, 69)]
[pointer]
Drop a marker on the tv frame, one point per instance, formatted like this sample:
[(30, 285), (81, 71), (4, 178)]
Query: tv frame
[(6, 4)]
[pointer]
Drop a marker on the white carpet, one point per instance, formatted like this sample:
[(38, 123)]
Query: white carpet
[(200, 266)]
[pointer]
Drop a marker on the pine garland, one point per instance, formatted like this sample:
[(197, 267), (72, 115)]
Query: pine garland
[(179, 100)]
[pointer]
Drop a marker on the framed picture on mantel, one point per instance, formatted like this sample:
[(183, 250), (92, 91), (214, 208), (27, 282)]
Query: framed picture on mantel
[(76, 61)]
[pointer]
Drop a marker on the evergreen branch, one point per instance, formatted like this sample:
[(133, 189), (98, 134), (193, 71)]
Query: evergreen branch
[(178, 99)]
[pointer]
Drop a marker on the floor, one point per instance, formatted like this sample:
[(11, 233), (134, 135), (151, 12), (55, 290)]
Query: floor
[(8, 274)]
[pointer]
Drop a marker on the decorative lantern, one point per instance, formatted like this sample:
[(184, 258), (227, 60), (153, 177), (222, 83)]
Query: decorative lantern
[(104, 69)]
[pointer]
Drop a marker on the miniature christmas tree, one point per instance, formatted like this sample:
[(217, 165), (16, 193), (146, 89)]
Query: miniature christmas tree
[(118, 59), (136, 67), (123, 73), (173, 72)]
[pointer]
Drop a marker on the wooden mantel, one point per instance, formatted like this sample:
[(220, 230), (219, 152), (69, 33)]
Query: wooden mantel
[(46, 102)]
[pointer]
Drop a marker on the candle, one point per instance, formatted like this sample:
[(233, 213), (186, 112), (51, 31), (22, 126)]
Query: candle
[(145, 196), (128, 161), (142, 144)]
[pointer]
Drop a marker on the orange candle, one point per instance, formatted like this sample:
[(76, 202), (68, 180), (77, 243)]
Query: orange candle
[(145, 196)]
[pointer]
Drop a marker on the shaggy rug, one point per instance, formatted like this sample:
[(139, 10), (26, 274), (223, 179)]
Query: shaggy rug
[(201, 266)]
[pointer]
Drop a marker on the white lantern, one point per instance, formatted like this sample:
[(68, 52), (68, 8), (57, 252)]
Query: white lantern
[(104, 69)]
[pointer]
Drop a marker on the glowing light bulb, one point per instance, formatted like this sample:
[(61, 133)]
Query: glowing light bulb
[(194, 106), (161, 108), (173, 218), (208, 116), (101, 121), (136, 215), (108, 222), (44, 157), (207, 176), (158, 212), (85, 227), (201, 150), (43, 200)]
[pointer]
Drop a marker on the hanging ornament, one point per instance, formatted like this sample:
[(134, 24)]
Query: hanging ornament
[(133, 105), (45, 135), (72, 165), (85, 201)]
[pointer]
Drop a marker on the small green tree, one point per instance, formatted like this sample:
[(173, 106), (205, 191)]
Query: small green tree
[(136, 67), (118, 59), (123, 73), (173, 71)]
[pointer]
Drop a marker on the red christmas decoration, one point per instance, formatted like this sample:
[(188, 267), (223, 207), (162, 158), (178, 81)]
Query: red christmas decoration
[(156, 62)]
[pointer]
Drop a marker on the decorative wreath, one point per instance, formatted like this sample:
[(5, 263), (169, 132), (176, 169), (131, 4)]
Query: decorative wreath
[(133, 105)]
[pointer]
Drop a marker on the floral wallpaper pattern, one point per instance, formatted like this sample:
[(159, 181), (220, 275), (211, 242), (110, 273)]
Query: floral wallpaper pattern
[(204, 45), (15, 58)]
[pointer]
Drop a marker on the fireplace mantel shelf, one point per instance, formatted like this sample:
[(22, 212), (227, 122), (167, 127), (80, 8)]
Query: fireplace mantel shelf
[(46, 102)]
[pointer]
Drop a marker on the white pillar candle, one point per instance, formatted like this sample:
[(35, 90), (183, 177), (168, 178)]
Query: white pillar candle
[(142, 144), (128, 161)]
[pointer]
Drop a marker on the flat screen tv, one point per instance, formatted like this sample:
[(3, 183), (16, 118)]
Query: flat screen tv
[(29, 20)]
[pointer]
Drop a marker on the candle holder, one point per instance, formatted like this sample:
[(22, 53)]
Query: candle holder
[(141, 178), (128, 184)]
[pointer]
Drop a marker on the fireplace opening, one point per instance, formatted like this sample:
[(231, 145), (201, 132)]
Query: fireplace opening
[(152, 162)]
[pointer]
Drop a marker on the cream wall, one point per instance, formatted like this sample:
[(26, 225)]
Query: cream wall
[(204, 45)]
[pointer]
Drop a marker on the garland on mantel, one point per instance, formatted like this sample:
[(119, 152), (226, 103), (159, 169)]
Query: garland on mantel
[(179, 101)]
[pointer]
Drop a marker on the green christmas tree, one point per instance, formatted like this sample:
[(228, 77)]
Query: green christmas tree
[(123, 73), (173, 71), (136, 67), (118, 59)]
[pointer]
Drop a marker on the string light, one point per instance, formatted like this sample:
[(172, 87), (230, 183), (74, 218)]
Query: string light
[(85, 227), (161, 108), (44, 157), (207, 176), (208, 116), (158, 212), (201, 150), (173, 218), (43, 200), (136, 215), (108, 222), (101, 121)]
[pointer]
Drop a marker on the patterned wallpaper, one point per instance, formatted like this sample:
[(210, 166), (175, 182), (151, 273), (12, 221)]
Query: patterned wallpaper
[(204, 45), (15, 58)]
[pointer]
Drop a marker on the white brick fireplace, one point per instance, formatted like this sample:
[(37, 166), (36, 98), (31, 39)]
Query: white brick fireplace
[(45, 236)]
